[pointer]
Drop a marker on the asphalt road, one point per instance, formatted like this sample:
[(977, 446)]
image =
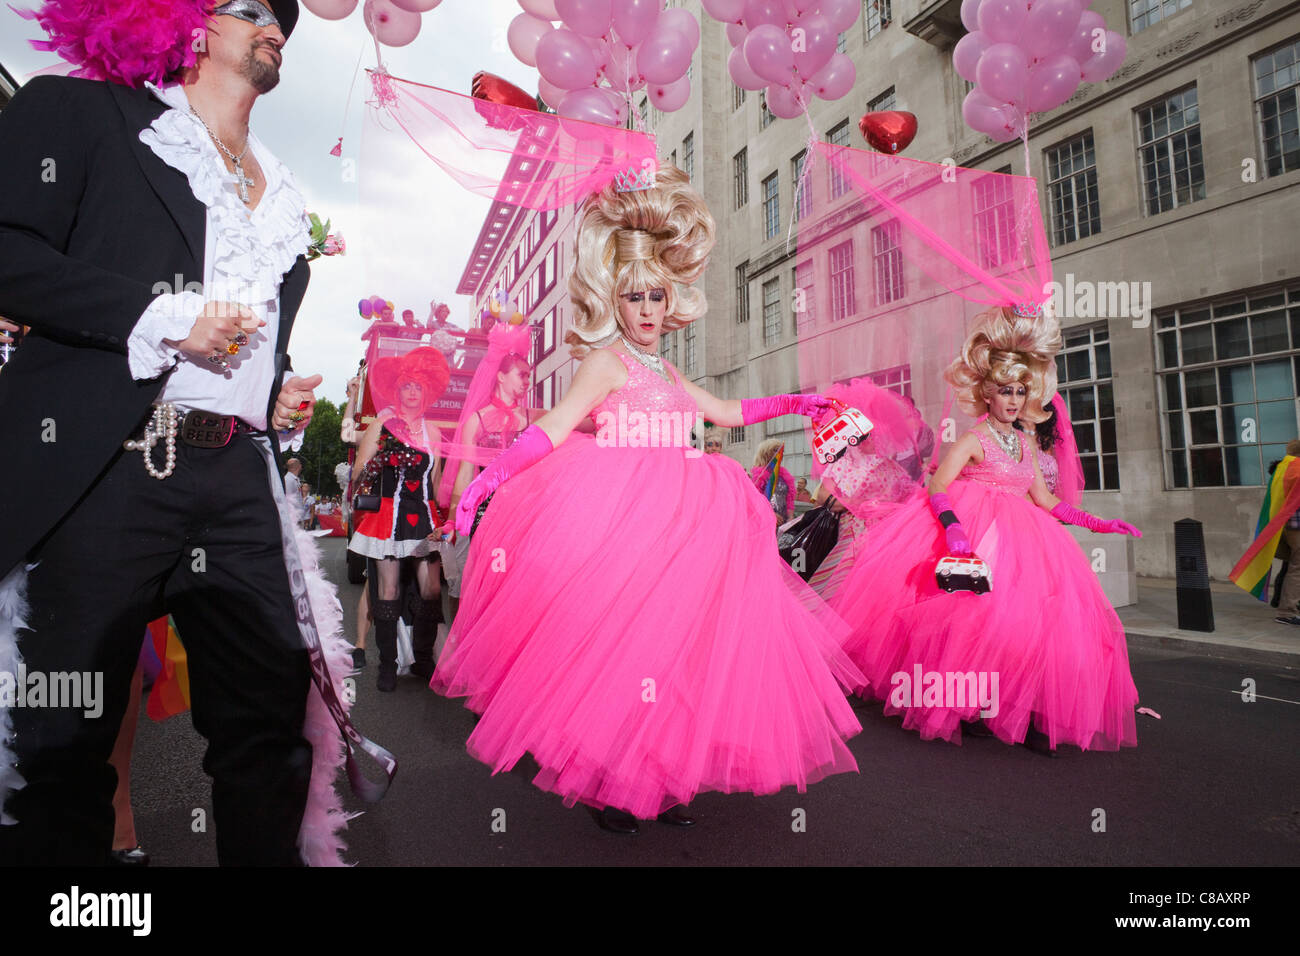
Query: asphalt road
[(1214, 782)]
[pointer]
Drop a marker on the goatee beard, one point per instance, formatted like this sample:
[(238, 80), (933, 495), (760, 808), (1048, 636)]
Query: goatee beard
[(261, 74)]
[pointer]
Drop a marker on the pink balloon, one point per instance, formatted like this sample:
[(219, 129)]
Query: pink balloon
[(966, 54), (983, 114), (1103, 65), (782, 102), (835, 79), (1003, 20), (417, 6), (1050, 26), (378, 303), (542, 9), (590, 18), (684, 22), (970, 15), (725, 11), (758, 12), (767, 50), (634, 20), (330, 9), (1051, 83), (736, 33), (599, 52), (842, 13), (670, 97), (523, 35), (663, 56), (551, 94), (1002, 72), (591, 106), (741, 73), (817, 39), (795, 9), (389, 24), (564, 59), (622, 72), (1080, 45), (1005, 135)]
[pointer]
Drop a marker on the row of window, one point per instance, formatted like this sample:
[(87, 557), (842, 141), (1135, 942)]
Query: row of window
[(668, 349)]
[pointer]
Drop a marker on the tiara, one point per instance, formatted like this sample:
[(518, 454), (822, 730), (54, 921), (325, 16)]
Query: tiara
[(1027, 310), (633, 179)]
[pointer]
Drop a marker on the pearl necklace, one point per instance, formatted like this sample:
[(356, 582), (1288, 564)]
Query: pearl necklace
[(649, 359), (1008, 441), (163, 425)]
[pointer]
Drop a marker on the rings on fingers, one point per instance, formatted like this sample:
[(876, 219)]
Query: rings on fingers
[(218, 359), (240, 339), (296, 417)]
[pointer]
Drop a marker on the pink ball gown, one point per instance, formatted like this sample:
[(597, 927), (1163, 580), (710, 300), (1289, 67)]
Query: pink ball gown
[(1045, 631), (626, 620)]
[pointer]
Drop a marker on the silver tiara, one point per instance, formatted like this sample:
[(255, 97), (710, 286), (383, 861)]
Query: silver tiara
[(634, 179), (1027, 310)]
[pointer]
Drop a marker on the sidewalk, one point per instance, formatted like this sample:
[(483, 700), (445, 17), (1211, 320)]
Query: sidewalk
[(1240, 622)]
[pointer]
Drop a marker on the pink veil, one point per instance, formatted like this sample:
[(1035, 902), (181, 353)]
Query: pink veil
[(899, 432), (1069, 484)]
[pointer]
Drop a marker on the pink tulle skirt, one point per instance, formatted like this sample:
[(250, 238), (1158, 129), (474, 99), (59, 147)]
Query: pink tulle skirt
[(625, 618), (1045, 633)]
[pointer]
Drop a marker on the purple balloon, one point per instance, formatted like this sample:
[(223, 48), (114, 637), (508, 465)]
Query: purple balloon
[(663, 56), (736, 33), (591, 106), (377, 304), (767, 50), (841, 13), (1051, 83), (634, 20), (1002, 72), (782, 102), (1103, 65), (835, 79), (725, 11), (1003, 20), (589, 18), (670, 97), (564, 59), (966, 54), (365, 309), (759, 12), (970, 15), (684, 22), (1080, 45), (741, 72), (817, 39), (1050, 26)]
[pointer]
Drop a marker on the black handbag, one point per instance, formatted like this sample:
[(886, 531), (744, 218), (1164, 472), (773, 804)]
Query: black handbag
[(810, 538), (366, 502)]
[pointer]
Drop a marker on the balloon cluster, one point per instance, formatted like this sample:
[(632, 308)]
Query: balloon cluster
[(391, 22), (604, 50), (788, 46), (500, 307), (376, 307), (1029, 56)]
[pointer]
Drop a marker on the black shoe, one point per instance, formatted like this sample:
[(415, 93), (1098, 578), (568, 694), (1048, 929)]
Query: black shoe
[(1289, 620), (132, 857), (615, 821), (1039, 742), (386, 614), (676, 817), (358, 657), (976, 728), (422, 669)]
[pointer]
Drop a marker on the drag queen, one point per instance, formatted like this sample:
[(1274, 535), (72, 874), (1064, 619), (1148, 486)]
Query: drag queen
[(396, 459), (624, 617), (1046, 643)]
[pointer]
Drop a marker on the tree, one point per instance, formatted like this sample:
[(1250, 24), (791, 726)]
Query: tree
[(323, 448)]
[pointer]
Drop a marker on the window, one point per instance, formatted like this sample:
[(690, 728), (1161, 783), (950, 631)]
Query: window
[(885, 101), (742, 293), (801, 200), (689, 358), (672, 158), (643, 112), (737, 97), (544, 392), (804, 317), (797, 457), (737, 435), (1169, 148), (1145, 13), (897, 379), (995, 218), (740, 176), (1227, 374), (1072, 190), (1277, 101), (1084, 379), (549, 218), (550, 270), (549, 329), (838, 136), (887, 262), (765, 116), (772, 311), (668, 346), (688, 155), (875, 16), (771, 206), (842, 298)]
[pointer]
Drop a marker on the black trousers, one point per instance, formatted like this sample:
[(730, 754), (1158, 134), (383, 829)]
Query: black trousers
[(203, 544)]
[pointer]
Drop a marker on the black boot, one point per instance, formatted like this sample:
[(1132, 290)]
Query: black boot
[(386, 615), (428, 615)]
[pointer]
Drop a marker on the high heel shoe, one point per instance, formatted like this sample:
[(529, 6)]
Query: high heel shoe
[(676, 817), (613, 820)]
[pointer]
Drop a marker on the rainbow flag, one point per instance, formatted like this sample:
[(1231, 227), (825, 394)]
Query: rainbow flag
[(171, 688), (774, 473), (1281, 501)]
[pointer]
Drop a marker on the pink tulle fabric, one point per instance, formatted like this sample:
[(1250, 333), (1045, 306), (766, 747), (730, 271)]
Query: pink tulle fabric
[(899, 432), (1046, 630), (518, 156), (626, 619), (123, 41), (1069, 482)]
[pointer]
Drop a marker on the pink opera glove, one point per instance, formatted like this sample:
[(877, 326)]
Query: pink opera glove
[(957, 542), (1072, 515), (761, 409), (529, 448)]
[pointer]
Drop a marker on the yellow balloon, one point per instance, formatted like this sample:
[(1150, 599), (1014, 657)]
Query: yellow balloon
[(517, 318)]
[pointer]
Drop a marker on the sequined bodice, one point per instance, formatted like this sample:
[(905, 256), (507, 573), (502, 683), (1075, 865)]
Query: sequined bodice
[(1050, 469), (998, 468), (496, 440), (647, 412)]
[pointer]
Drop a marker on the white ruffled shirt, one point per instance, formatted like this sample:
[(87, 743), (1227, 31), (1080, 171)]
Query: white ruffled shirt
[(245, 258)]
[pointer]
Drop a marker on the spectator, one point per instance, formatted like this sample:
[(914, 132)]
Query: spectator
[(293, 486), (801, 490), (782, 496)]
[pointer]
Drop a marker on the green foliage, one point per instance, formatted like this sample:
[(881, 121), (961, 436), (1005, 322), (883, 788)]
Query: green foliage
[(323, 448)]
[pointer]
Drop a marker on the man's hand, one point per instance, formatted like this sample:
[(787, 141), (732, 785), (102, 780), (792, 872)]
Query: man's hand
[(7, 326), (295, 403), (219, 325)]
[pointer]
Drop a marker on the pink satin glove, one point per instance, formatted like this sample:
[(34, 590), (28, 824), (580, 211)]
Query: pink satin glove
[(957, 542), (761, 409), (1071, 515), (529, 448)]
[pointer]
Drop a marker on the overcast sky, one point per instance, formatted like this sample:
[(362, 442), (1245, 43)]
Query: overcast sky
[(410, 241)]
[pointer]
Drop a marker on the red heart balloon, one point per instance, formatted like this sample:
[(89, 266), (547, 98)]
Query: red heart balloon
[(489, 86), (889, 131), (412, 519)]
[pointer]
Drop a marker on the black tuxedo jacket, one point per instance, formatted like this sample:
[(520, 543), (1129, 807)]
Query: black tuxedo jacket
[(93, 226)]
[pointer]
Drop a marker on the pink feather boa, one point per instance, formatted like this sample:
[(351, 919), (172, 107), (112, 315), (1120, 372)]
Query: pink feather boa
[(123, 41)]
